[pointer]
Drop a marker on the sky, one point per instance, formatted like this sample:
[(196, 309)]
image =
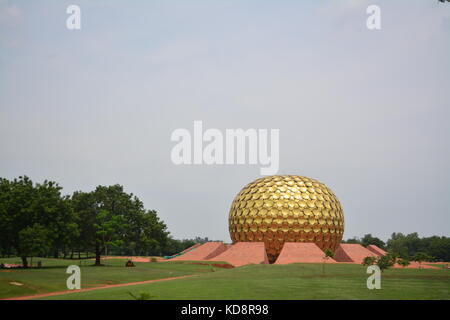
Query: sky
[(367, 112)]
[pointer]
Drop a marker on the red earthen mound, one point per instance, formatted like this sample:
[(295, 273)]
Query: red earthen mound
[(299, 252), (191, 247), (355, 253), (242, 253), (377, 250), (205, 251)]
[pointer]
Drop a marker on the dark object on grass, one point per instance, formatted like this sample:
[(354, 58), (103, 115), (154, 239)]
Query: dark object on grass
[(129, 264), (142, 295), (2, 266), (39, 264)]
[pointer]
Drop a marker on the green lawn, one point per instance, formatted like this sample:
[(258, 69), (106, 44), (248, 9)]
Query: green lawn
[(52, 277), (295, 281)]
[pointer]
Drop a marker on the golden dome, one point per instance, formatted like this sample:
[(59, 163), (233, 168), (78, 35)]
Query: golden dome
[(286, 208)]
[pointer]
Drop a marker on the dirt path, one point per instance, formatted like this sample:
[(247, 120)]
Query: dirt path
[(57, 293)]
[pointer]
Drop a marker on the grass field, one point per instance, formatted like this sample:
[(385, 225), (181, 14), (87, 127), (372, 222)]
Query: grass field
[(295, 281), (52, 276)]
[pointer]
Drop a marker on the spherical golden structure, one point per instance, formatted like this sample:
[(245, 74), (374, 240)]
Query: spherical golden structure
[(287, 208)]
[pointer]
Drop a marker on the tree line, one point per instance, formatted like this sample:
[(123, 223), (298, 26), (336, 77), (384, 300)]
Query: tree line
[(36, 219), (410, 246)]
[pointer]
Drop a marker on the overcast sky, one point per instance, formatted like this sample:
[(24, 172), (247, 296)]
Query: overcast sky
[(365, 112)]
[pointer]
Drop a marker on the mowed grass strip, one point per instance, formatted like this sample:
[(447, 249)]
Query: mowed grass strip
[(52, 277), (295, 281)]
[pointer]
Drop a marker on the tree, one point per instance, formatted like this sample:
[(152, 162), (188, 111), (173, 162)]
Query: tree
[(368, 261), (327, 255), (368, 239), (114, 218), (84, 207), (421, 257), (398, 245), (437, 247), (23, 205), (384, 262), (56, 215), (393, 256), (33, 241), (102, 214), (146, 233), (406, 246), (403, 262), (352, 241)]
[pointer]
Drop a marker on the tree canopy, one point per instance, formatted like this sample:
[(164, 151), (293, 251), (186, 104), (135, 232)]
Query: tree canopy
[(33, 213), (407, 246)]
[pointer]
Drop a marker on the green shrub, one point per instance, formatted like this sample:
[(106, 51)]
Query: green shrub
[(403, 262), (384, 262), (142, 295), (368, 261)]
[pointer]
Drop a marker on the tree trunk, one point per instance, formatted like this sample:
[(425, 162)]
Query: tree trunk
[(24, 262), (97, 256)]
